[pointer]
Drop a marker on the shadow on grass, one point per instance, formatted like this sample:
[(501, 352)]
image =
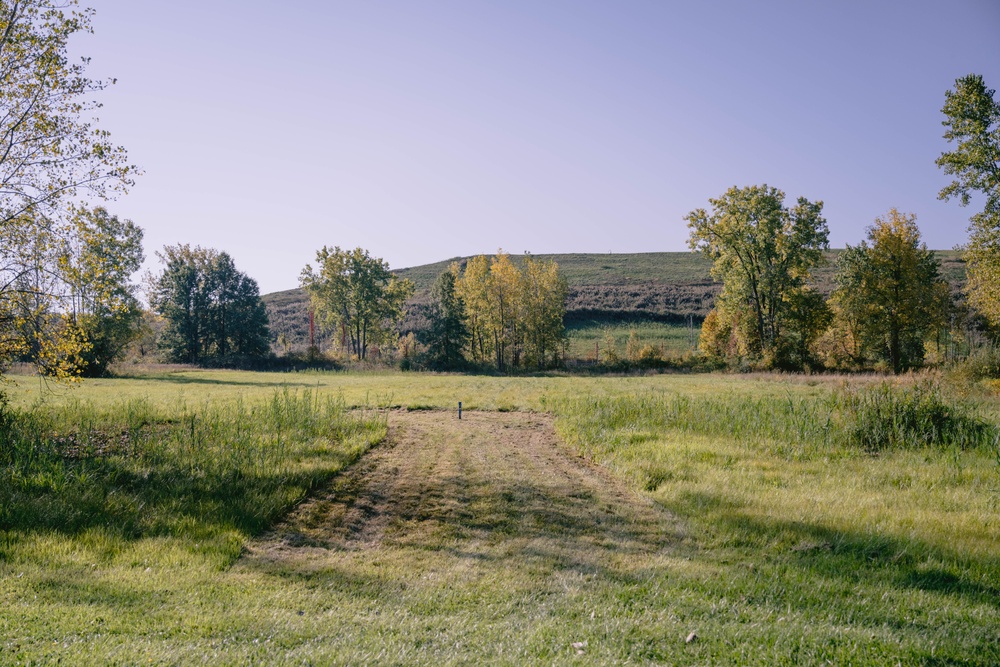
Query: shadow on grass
[(184, 379), (70, 588), (816, 552), (480, 517), (126, 499)]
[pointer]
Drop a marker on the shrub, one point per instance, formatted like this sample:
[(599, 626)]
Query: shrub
[(982, 364), (884, 417)]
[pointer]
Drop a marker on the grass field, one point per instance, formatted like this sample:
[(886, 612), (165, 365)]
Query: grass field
[(198, 516), (670, 338)]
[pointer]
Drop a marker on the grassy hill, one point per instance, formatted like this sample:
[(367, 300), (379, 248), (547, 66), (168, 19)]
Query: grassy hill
[(605, 290)]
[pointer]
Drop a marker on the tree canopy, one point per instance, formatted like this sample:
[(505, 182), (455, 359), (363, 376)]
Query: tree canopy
[(212, 310), (98, 264), (514, 315), (972, 119), (889, 294), (763, 253), (356, 293), (52, 157), (448, 333)]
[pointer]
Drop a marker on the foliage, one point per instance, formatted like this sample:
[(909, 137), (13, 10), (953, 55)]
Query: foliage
[(354, 292), (543, 293), (52, 156), (972, 119), (74, 311), (448, 333), (809, 317), (97, 267), (515, 315), (716, 341), (763, 253), (890, 296), (983, 363), (211, 310)]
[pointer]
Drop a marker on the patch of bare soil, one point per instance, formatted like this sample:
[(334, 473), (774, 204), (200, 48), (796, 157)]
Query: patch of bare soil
[(491, 486)]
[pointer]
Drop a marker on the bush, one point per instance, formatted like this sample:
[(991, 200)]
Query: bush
[(982, 364), (884, 417)]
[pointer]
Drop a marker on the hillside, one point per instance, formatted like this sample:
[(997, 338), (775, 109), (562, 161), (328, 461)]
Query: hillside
[(612, 288)]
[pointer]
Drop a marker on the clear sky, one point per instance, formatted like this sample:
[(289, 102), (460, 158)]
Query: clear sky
[(427, 130)]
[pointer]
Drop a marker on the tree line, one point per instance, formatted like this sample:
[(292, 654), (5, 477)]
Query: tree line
[(488, 313), (890, 299)]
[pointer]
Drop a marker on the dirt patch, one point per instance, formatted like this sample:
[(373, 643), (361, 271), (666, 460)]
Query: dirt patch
[(491, 486)]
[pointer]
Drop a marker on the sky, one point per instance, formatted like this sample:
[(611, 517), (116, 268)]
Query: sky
[(428, 130)]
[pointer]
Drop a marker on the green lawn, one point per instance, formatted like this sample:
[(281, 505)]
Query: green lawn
[(788, 543)]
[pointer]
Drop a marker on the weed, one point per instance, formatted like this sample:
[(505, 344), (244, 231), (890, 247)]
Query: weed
[(881, 416)]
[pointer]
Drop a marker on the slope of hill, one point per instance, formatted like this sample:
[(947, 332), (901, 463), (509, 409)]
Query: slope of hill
[(612, 288)]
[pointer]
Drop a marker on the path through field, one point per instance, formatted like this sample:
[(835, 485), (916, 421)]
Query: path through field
[(485, 529)]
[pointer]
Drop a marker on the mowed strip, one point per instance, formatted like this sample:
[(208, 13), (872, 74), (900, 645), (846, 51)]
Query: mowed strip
[(488, 518)]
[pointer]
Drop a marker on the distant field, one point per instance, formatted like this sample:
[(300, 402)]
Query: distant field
[(588, 338), (185, 516)]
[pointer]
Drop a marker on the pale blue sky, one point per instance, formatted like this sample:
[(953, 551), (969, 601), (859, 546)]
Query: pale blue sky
[(426, 130)]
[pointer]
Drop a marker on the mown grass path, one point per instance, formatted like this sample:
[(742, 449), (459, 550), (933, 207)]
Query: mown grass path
[(487, 520), (491, 485)]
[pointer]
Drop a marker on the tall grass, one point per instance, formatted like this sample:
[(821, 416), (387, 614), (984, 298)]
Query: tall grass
[(866, 512), (884, 417), (215, 473), (870, 418), (791, 422)]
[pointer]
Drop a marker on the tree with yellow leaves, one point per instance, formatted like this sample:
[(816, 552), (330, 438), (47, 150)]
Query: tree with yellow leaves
[(890, 294), (543, 298), (514, 314)]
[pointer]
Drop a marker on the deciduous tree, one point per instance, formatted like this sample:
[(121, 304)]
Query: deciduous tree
[(972, 119), (543, 308), (97, 266), (353, 290), (890, 294), (51, 155), (472, 289), (515, 314), (211, 309), (763, 253)]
